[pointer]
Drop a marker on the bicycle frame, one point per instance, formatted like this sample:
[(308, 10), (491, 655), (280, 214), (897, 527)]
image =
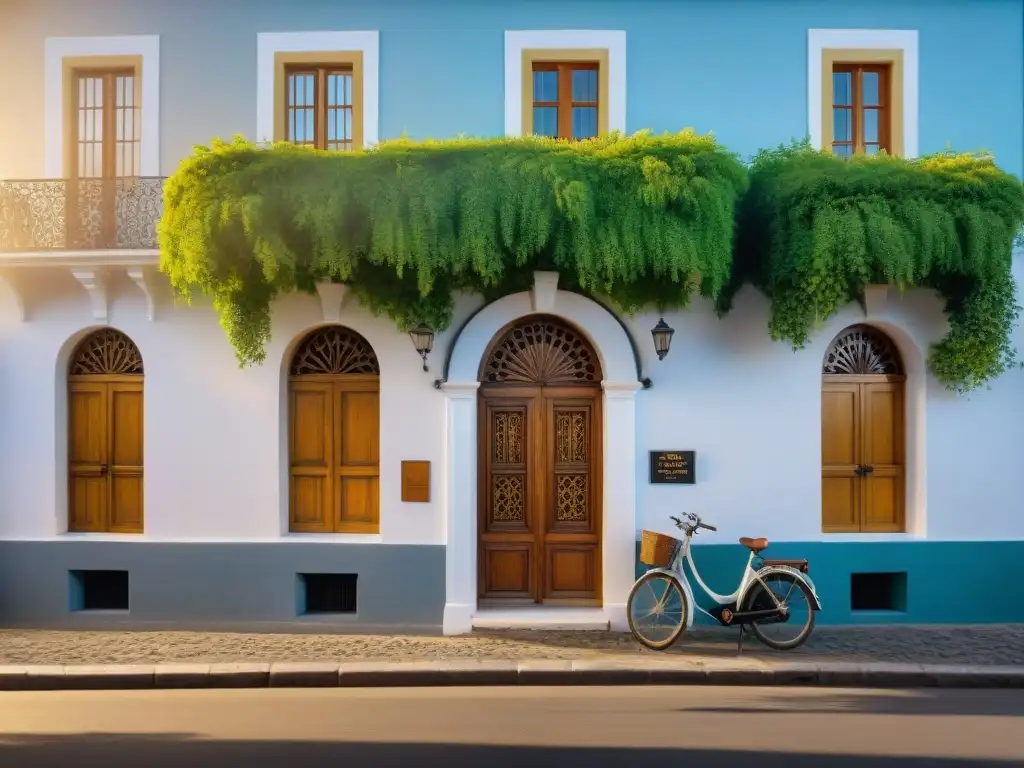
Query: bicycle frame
[(676, 570)]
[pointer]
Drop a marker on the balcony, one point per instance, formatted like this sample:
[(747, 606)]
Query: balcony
[(56, 215)]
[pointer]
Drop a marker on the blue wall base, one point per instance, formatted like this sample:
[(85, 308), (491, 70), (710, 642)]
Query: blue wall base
[(948, 582), (221, 585)]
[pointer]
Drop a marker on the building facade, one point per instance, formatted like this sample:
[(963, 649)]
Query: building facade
[(149, 480)]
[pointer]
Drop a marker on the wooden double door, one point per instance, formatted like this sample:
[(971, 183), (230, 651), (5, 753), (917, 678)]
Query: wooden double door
[(105, 454), (105, 434), (540, 494), (862, 448)]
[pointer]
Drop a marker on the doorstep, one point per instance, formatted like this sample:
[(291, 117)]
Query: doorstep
[(539, 617)]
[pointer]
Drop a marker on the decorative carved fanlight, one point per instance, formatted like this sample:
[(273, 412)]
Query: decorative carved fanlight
[(542, 351), (862, 350), (334, 349), (106, 352)]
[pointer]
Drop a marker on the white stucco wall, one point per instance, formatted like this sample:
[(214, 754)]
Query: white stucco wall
[(751, 410), (216, 468), (214, 433)]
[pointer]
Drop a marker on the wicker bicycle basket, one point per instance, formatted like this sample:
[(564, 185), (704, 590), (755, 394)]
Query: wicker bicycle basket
[(657, 549)]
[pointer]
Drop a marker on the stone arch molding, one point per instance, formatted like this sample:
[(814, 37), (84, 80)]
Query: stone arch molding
[(618, 536), (590, 318)]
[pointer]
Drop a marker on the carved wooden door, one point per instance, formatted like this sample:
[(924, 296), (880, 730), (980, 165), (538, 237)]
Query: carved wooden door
[(540, 467)]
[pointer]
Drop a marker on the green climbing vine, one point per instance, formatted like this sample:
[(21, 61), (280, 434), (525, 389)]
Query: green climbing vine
[(814, 230), (642, 219)]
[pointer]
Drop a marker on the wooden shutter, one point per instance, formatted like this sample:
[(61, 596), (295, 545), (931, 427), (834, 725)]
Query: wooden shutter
[(124, 402), (357, 440), (87, 456), (882, 450), (840, 452), (312, 456)]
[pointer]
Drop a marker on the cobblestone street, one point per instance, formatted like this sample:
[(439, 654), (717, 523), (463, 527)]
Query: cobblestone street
[(990, 645)]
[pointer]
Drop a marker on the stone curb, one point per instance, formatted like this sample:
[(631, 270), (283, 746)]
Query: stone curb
[(504, 673)]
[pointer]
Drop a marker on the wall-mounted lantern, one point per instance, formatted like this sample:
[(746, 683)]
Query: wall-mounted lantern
[(423, 339), (662, 334)]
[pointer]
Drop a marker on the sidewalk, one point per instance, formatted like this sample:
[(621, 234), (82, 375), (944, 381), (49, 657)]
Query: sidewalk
[(975, 657)]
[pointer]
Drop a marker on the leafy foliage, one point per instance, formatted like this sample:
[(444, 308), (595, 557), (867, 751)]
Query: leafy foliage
[(642, 219), (815, 229)]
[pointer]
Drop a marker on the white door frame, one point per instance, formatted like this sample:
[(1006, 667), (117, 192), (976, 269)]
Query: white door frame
[(618, 535)]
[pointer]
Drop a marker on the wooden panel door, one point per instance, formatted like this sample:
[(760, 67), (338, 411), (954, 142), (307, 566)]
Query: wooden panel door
[(105, 455), (862, 475), (572, 480), (540, 486), (510, 448), (335, 455)]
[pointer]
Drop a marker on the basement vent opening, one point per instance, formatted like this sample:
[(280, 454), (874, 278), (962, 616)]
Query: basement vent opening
[(99, 590), (878, 592), (327, 593)]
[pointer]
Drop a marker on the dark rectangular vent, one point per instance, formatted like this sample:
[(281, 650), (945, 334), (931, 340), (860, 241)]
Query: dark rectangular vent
[(329, 592), (878, 591), (99, 590)]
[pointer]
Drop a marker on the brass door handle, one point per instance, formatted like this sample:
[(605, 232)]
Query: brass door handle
[(103, 469)]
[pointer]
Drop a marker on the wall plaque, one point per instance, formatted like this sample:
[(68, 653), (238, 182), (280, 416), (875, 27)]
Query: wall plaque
[(416, 481), (675, 467)]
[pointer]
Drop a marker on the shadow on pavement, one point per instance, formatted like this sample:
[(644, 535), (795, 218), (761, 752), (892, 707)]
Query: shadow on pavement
[(919, 701), (155, 750), (929, 644)]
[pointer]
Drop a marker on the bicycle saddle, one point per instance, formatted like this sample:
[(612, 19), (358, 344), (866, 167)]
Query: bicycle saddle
[(754, 545)]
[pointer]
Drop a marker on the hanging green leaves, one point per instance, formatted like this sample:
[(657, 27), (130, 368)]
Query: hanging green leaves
[(642, 219), (814, 230)]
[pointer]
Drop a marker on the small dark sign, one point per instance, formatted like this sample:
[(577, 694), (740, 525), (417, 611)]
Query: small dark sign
[(673, 467)]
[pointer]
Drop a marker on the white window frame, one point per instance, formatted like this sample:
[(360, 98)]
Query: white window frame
[(891, 39), (270, 43), (59, 48), (516, 41)]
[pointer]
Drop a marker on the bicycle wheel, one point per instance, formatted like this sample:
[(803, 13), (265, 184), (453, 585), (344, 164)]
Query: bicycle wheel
[(656, 610), (786, 632)]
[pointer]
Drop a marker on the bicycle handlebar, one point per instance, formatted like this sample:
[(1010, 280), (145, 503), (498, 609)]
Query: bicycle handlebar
[(695, 523)]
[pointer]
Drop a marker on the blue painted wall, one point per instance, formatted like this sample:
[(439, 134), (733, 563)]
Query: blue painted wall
[(736, 67), (949, 582)]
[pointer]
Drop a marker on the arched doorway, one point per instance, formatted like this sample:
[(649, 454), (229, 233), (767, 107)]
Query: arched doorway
[(334, 434), (105, 429), (862, 434), (540, 463)]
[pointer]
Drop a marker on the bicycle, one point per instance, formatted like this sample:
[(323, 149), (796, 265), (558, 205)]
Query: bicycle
[(754, 604)]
